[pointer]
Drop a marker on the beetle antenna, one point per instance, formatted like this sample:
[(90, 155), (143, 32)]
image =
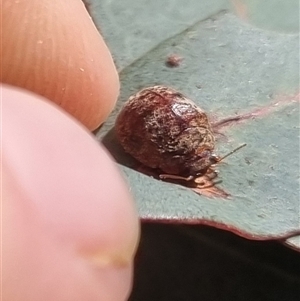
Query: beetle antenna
[(218, 160), (232, 152)]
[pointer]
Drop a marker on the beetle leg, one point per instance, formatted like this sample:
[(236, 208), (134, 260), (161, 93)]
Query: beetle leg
[(175, 177), (211, 174), (212, 192), (208, 184), (206, 181)]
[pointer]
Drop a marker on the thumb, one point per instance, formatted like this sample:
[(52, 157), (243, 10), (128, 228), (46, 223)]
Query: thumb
[(70, 228)]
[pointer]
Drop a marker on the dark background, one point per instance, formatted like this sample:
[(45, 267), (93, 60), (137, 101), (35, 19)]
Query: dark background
[(179, 262)]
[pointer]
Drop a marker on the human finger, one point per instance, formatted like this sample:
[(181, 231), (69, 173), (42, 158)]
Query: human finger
[(52, 48), (70, 228)]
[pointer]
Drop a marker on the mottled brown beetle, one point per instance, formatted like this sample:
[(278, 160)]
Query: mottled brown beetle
[(164, 130)]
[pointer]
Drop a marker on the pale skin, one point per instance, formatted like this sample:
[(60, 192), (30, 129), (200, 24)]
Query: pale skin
[(69, 225)]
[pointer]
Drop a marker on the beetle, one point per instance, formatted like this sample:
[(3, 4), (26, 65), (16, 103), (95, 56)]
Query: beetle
[(164, 130)]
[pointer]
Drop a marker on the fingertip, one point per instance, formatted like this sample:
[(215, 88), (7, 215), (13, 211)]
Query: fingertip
[(83, 211), (57, 52)]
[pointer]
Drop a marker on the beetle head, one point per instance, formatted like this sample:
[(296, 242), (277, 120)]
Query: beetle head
[(206, 159)]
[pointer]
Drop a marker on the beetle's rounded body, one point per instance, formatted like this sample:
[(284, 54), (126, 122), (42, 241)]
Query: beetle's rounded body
[(163, 129)]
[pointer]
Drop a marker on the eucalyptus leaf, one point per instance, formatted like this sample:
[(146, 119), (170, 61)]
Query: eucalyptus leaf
[(229, 68)]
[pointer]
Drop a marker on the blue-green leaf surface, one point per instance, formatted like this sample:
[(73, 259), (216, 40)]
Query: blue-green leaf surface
[(229, 67)]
